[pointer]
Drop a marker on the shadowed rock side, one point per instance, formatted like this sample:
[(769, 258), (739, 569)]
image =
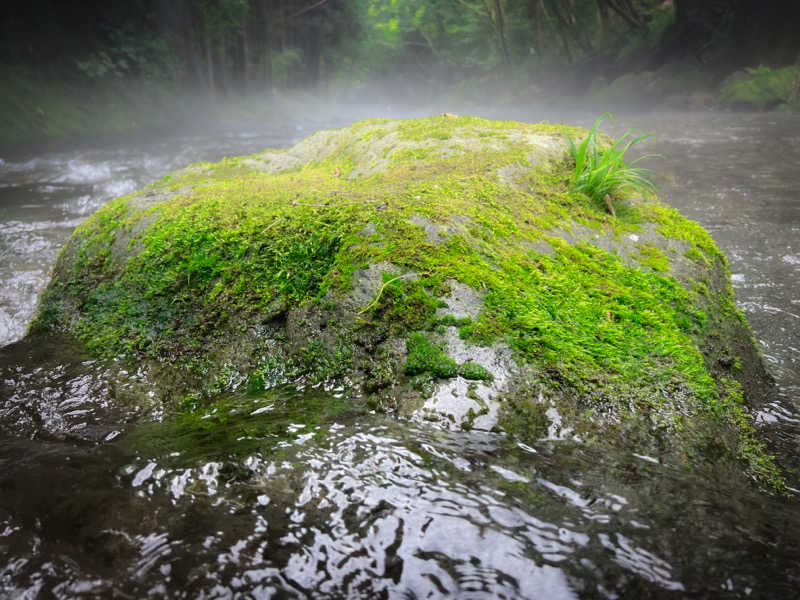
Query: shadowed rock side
[(438, 268)]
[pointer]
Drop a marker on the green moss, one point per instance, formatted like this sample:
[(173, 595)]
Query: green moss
[(426, 357), (418, 154), (381, 374), (319, 363), (674, 225), (404, 304), (451, 321), (760, 87), (474, 371), (269, 372), (650, 256), (695, 255)]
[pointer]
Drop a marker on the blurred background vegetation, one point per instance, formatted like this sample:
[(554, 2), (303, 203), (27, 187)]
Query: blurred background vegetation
[(71, 68)]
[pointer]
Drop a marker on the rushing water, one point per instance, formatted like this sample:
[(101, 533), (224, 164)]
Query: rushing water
[(264, 495)]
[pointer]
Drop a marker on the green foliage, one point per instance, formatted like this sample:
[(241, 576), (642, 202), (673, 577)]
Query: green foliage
[(319, 364), (462, 47), (474, 371), (285, 63), (131, 54), (651, 256), (405, 304), (269, 372), (426, 357), (600, 169), (760, 87), (647, 38), (417, 37)]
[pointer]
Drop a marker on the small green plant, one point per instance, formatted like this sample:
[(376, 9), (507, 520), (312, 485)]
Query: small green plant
[(474, 371), (761, 87), (600, 169), (425, 357)]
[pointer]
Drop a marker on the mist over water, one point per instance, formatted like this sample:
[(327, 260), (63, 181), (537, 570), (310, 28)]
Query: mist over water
[(97, 498)]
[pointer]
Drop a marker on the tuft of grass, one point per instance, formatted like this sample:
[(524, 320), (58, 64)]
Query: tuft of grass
[(600, 170)]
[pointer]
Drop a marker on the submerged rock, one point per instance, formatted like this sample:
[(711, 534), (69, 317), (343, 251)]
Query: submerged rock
[(438, 268)]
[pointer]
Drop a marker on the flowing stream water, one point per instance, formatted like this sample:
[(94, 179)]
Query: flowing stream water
[(272, 497)]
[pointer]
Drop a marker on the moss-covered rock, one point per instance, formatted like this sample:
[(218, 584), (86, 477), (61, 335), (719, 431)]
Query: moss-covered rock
[(675, 85), (438, 267), (761, 88)]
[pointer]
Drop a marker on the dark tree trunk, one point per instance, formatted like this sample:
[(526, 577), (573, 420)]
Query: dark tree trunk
[(682, 14), (535, 16), (602, 11), (237, 53), (312, 54), (563, 29), (208, 55), (500, 18)]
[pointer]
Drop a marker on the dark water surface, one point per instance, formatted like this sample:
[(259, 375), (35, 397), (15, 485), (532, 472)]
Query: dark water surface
[(263, 496)]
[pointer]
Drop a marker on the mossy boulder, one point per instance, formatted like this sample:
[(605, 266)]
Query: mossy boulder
[(439, 268), (761, 88), (674, 85)]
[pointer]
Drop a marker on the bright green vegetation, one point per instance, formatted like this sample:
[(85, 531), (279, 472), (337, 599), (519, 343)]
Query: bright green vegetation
[(425, 357), (406, 305), (762, 87), (600, 169), (474, 371), (254, 259), (651, 256)]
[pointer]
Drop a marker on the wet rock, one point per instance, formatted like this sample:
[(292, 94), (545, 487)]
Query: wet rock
[(441, 269), (760, 88)]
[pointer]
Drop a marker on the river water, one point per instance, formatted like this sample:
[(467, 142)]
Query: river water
[(266, 497)]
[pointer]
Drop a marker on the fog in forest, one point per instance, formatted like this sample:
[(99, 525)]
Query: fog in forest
[(72, 71)]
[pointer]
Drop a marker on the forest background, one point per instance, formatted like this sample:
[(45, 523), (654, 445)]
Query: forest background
[(71, 69)]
